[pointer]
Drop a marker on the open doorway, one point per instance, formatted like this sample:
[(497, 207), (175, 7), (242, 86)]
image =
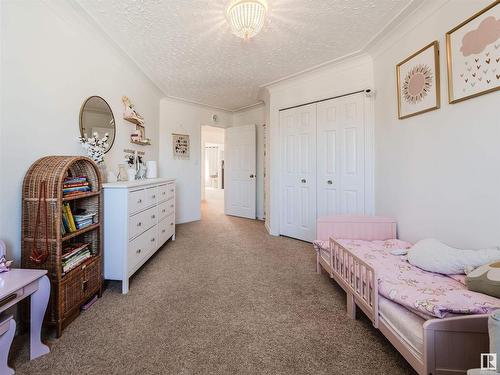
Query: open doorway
[(212, 167)]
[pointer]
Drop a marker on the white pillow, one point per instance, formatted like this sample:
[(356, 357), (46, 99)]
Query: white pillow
[(434, 256)]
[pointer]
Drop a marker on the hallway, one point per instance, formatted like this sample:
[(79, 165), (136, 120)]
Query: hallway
[(224, 298)]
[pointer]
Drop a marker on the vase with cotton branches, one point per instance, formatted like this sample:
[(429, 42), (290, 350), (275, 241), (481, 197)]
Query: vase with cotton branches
[(96, 147)]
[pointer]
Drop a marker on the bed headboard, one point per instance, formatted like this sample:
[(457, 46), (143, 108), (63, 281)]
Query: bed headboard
[(368, 228)]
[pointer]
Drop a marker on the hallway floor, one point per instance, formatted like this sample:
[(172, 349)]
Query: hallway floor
[(224, 298)]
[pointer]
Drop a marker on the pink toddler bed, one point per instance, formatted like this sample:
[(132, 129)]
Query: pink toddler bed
[(421, 313), (426, 293)]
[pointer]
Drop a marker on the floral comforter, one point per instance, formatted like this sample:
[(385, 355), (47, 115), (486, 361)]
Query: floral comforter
[(424, 292)]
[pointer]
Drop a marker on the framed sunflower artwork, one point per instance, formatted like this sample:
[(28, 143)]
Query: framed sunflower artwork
[(418, 82), (473, 55)]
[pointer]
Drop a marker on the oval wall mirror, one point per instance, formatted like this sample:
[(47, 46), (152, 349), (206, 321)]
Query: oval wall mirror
[(96, 116)]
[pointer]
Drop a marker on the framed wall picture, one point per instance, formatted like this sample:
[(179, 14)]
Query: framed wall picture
[(473, 55), (181, 147), (418, 82)]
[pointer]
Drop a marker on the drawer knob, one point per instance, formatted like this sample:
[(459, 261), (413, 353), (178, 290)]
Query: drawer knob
[(154, 196), (164, 193), (138, 251), (163, 210), (152, 239), (172, 205), (139, 224), (172, 190), (163, 231), (153, 216), (171, 223), (139, 201)]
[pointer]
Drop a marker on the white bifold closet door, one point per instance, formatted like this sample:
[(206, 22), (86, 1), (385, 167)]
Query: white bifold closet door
[(341, 156), (298, 172), (322, 163)]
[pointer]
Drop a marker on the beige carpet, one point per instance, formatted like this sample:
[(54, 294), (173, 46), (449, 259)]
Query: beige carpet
[(224, 298)]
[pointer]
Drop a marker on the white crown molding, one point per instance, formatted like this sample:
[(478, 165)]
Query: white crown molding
[(248, 107), (194, 102), (405, 24)]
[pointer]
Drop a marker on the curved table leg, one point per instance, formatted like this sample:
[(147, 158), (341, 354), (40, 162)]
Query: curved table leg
[(5, 342), (39, 301)]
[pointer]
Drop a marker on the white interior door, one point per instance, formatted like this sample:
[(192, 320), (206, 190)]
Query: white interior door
[(341, 147), (298, 172), (240, 171)]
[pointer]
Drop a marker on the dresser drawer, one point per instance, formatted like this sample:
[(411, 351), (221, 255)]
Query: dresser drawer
[(137, 224), (136, 201), (163, 192), (166, 192), (136, 250), (165, 209), (142, 222), (166, 229), (151, 240), (151, 196)]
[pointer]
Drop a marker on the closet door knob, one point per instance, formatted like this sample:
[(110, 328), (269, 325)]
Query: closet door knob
[(138, 251), (152, 240), (139, 201), (252, 176), (329, 182), (139, 224), (303, 181)]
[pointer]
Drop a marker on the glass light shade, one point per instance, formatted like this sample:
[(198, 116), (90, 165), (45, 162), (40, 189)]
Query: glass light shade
[(246, 17)]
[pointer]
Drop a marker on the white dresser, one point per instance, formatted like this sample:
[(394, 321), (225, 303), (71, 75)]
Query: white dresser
[(139, 217)]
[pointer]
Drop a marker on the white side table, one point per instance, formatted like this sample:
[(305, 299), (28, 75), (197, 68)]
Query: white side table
[(16, 285)]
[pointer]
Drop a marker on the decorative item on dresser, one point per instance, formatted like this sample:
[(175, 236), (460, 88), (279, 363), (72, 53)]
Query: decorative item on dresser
[(62, 233), (139, 217)]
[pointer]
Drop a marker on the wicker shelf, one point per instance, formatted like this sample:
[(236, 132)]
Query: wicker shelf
[(41, 233), (81, 231), (80, 196)]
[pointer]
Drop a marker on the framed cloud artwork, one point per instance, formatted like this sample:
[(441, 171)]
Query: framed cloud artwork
[(473, 55), (418, 82)]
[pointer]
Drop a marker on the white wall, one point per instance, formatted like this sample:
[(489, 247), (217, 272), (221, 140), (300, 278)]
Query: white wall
[(186, 118), (255, 115), (347, 76), (437, 173), (53, 58)]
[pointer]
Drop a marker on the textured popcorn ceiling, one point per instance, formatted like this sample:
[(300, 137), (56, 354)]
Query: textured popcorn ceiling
[(187, 49)]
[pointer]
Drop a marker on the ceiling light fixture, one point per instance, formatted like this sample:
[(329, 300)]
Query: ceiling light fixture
[(246, 17)]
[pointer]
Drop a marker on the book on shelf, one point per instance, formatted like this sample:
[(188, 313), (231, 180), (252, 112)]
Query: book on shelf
[(69, 217), (74, 254), (75, 185)]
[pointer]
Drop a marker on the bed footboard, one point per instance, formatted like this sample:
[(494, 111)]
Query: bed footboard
[(358, 279), (453, 345)]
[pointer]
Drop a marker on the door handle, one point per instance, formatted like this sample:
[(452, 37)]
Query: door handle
[(303, 181), (252, 176), (329, 182)]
